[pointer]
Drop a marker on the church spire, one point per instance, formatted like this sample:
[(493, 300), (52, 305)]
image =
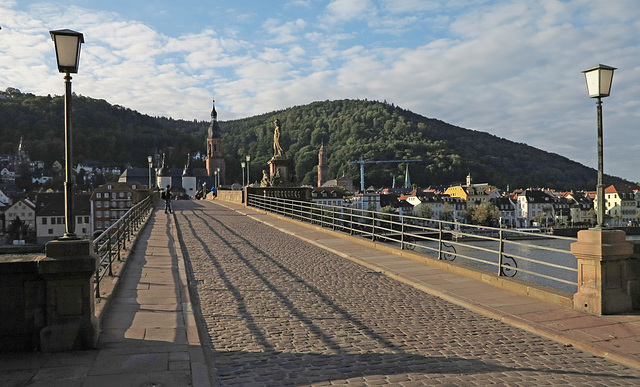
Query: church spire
[(214, 129), (214, 113)]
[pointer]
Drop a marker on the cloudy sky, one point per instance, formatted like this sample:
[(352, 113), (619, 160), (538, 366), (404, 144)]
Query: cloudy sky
[(511, 68)]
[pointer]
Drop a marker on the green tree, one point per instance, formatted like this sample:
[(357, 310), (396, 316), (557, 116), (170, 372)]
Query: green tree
[(423, 211), (485, 214), (447, 212), (18, 229)]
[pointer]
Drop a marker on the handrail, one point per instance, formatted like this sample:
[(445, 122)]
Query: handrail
[(113, 240), (507, 252)]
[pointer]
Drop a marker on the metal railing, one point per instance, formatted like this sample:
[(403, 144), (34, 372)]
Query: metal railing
[(109, 245), (533, 257)]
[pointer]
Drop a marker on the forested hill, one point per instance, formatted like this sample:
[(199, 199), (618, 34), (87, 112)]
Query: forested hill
[(113, 134), (349, 129)]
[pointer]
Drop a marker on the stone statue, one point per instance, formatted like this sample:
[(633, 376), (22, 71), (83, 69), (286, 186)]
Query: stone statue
[(277, 148), (266, 181)]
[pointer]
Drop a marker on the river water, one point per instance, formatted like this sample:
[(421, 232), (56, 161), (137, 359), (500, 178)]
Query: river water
[(525, 259)]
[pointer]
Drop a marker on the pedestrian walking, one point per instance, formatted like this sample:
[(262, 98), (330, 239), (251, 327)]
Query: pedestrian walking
[(214, 192), (166, 196)]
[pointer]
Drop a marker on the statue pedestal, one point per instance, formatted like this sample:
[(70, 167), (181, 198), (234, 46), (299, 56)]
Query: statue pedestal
[(280, 166), (603, 257)]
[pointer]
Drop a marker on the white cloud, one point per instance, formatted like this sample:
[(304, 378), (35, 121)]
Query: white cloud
[(284, 33), (511, 68), (346, 10)]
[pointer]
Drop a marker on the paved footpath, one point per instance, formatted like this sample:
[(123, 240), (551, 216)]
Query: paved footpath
[(278, 310), (148, 338)]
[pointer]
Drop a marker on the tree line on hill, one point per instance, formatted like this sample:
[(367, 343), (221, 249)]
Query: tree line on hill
[(348, 129)]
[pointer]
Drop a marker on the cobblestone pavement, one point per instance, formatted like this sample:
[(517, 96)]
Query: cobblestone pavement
[(279, 311)]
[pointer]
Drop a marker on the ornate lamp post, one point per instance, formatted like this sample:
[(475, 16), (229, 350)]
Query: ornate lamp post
[(218, 178), (215, 179), (243, 165), (67, 44), (599, 80), (248, 158), (150, 160)]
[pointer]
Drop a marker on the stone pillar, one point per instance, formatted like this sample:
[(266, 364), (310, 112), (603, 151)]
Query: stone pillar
[(68, 269), (602, 260)]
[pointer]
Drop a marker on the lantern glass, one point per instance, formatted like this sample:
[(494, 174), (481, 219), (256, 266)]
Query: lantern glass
[(599, 79), (149, 159), (242, 164), (67, 44)]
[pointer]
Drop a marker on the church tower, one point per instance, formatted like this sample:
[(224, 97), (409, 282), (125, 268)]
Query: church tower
[(323, 166), (163, 175), (215, 158), (189, 179)]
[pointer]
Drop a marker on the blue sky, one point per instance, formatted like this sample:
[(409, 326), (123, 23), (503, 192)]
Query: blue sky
[(511, 68)]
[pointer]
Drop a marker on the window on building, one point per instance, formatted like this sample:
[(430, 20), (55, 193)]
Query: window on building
[(98, 195), (121, 194), (106, 214), (44, 220), (98, 214), (98, 224), (109, 186), (50, 231), (98, 204), (79, 220), (86, 219)]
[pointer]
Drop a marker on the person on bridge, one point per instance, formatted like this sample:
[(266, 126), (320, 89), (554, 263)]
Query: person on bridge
[(214, 192), (166, 195)]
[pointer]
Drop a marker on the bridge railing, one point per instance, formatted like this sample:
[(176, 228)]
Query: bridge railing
[(531, 256), (109, 245)]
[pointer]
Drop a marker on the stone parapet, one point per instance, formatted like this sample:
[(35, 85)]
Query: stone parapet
[(603, 264), (50, 299)]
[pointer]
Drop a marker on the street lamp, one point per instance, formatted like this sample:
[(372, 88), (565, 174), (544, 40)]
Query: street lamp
[(215, 179), (218, 177), (243, 164), (599, 80), (150, 160), (248, 158), (67, 44)]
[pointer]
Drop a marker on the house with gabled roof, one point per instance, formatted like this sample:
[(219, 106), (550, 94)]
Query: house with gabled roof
[(50, 216), (620, 205), (23, 209)]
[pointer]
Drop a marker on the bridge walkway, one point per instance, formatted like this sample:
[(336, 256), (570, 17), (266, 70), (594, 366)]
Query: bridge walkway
[(283, 302)]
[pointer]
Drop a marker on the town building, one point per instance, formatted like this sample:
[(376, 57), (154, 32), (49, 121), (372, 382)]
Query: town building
[(620, 205), (535, 208), (50, 216), (23, 209), (111, 201)]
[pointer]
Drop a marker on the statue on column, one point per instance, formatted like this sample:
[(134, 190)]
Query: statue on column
[(278, 152)]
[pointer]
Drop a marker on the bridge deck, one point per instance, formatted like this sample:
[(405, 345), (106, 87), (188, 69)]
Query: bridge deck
[(281, 302), (277, 303)]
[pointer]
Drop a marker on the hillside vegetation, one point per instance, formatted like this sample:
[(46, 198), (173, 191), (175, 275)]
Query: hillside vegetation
[(110, 133), (349, 129)]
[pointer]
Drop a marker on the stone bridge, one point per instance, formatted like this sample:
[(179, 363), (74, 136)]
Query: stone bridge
[(217, 293)]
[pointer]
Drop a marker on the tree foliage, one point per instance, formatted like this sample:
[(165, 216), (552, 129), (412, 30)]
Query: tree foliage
[(349, 130)]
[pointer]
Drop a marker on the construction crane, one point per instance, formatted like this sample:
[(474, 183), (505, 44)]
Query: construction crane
[(363, 162)]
